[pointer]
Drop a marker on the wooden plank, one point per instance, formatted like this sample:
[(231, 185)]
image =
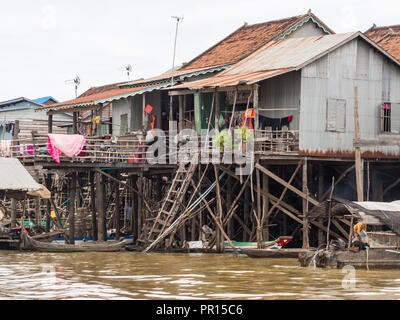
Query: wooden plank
[(284, 183)]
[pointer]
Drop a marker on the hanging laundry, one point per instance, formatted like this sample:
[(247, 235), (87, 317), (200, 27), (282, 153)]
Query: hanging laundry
[(68, 144), (6, 148), (285, 121), (276, 124)]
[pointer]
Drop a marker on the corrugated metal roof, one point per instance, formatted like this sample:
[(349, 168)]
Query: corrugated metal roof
[(17, 100), (45, 99), (14, 177), (278, 57), (102, 97), (178, 74)]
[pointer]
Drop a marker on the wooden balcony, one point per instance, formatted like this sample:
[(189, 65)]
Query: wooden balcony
[(132, 150)]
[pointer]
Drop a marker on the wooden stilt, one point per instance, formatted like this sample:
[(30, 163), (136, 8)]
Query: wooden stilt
[(93, 205), (13, 213), (219, 207), (306, 242), (320, 194), (72, 208), (265, 207), (117, 211), (100, 208)]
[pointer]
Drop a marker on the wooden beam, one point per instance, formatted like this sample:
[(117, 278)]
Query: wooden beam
[(284, 183)]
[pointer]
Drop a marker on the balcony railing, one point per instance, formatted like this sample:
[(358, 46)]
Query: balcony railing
[(133, 149)]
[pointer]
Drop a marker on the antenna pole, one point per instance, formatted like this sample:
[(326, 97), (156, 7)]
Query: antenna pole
[(178, 19)]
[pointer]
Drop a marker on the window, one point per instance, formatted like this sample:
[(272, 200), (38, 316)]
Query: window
[(336, 115), (385, 117), (123, 124), (390, 117)]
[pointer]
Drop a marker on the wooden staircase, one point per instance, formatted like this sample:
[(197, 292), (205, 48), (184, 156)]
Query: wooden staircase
[(174, 201)]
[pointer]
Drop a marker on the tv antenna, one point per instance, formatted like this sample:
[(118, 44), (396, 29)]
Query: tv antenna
[(128, 70), (178, 19), (77, 82)]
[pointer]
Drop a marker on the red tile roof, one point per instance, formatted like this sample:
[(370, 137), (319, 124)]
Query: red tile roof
[(377, 33), (391, 44), (388, 38), (246, 40)]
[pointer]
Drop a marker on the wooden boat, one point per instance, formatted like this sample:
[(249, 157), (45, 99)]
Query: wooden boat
[(275, 253), (28, 243), (372, 258), (242, 246)]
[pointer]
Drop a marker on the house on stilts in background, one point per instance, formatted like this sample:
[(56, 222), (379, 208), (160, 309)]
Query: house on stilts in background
[(293, 82)]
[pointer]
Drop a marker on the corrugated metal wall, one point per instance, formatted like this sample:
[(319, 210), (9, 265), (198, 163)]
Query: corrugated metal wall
[(281, 92), (334, 77), (133, 107)]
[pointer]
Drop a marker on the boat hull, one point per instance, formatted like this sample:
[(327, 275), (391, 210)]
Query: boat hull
[(27, 243), (372, 258)]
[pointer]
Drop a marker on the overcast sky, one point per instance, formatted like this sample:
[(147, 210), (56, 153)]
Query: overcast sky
[(44, 43)]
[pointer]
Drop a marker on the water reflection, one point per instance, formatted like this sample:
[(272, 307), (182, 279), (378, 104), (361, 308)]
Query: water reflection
[(130, 275)]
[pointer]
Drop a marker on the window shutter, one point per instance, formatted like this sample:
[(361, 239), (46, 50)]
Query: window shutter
[(336, 115)]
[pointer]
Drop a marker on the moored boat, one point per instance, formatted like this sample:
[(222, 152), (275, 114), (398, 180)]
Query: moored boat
[(275, 253), (28, 243), (372, 258), (242, 246)]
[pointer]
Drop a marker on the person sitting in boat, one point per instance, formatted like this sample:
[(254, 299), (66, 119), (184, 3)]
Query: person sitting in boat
[(360, 233)]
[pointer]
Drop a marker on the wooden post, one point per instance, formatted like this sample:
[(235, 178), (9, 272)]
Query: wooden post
[(13, 213), (48, 215), (144, 114), (219, 207), (171, 108), (134, 210), (217, 110), (265, 207), (38, 213), (246, 212), (259, 225), (72, 208), (359, 171), (320, 198), (306, 243), (256, 114), (93, 205), (181, 114), (117, 213), (377, 186), (228, 206), (75, 122), (100, 208), (15, 136), (50, 124), (140, 205)]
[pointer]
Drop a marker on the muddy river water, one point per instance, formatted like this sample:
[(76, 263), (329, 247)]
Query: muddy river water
[(133, 275)]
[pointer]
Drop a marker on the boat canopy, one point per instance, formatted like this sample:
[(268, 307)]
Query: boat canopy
[(368, 212)]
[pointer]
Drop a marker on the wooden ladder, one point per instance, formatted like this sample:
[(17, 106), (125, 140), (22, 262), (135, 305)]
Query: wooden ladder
[(173, 201)]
